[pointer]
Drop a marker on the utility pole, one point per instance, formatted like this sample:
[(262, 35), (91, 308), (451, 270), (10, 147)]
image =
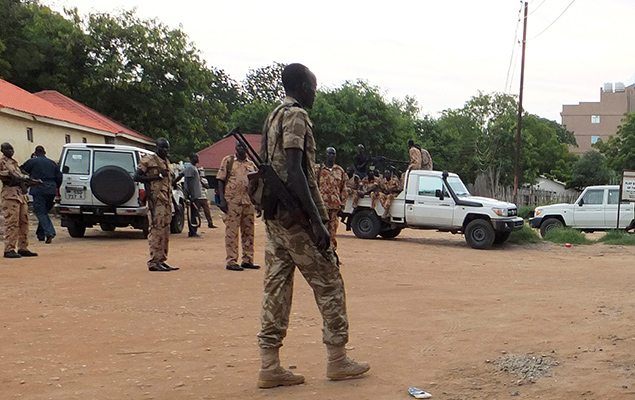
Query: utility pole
[(520, 111)]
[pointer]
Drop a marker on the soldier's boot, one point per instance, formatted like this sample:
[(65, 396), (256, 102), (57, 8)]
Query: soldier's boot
[(341, 367), (272, 374)]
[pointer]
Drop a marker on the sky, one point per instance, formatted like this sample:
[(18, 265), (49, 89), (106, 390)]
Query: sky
[(442, 52)]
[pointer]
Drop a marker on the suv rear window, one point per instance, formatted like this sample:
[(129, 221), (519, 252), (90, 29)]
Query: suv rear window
[(124, 160), (77, 162)]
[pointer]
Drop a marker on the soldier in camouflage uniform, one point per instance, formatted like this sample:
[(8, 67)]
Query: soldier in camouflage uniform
[(390, 188), (332, 183), (426, 160), (15, 207), (290, 148), (154, 172), (415, 155), (239, 212), (370, 187)]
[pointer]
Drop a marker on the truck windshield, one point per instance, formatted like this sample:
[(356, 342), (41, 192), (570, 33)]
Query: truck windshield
[(457, 186)]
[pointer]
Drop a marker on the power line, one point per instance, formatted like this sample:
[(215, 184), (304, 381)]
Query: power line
[(554, 21), (538, 6), (511, 58)]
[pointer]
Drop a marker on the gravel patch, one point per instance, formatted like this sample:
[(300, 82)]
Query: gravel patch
[(527, 367)]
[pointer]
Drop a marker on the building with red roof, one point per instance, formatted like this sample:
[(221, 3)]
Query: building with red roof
[(211, 157), (50, 119)]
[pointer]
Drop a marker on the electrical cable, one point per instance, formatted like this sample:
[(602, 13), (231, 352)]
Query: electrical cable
[(511, 58), (537, 7), (554, 21)]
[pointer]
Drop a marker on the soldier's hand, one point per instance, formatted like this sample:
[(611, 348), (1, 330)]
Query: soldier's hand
[(321, 235), (223, 205)]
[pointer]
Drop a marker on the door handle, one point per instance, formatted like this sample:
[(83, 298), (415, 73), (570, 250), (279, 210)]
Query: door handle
[(83, 178)]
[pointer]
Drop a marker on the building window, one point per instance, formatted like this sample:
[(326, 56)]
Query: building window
[(109, 140), (595, 119), (67, 138), (594, 139), (84, 140), (29, 134)]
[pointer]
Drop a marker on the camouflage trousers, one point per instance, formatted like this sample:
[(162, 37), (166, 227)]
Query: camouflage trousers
[(386, 201), (285, 250), (353, 195), (334, 223), (16, 224), (239, 217), (159, 219), (374, 196)]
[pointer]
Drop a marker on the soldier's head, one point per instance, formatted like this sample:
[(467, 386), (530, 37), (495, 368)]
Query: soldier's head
[(194, 158), (300, 83), (350, 171), (370, 176), (7, 149), (387, 174), (163, 147), (360, 148), (241, 151), (411, 143), (330, 156), (39, 151)]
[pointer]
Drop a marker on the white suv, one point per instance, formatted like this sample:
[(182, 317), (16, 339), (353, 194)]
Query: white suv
[(97, 188)]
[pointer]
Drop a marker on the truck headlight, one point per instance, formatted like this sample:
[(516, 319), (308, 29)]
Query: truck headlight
[(537, 212), (501, 212)]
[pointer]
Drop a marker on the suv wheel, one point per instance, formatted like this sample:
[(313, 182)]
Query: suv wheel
[(480, 234), (76, 229), (549, 225), (178, 219), (366, 224), (501, 237), (390, 233)]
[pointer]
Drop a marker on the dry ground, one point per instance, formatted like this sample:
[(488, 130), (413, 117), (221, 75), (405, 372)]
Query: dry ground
[(86, 320)]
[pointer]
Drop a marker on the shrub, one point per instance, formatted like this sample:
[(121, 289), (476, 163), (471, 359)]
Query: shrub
[(618, 237), (526, 212), (524, 236), (567, 235)]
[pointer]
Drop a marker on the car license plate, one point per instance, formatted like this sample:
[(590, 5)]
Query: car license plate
[(75, 194)]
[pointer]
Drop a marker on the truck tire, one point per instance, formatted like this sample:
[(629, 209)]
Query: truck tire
[(480, 234), (550, 224), (76, 229), (366, 224), (390, 233), (107, 227), (501, 237), (178, 219)]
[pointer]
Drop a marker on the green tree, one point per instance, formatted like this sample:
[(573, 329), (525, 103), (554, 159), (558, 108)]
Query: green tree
[(152, 78), (41, 49), (251, 116), (264, 84), (590, 169), (620, 149)]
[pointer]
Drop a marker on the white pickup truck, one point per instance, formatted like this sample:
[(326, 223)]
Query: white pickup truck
[(436, 200), (594, 210)]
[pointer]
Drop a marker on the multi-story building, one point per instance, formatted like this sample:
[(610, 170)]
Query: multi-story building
[(592, 121)]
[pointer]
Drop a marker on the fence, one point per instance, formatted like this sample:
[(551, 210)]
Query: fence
[(527, 196)]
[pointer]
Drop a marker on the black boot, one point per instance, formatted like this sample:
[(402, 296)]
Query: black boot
[(27, 253), (11, 254)]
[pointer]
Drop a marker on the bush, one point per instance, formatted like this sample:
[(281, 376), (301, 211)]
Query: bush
[(567, 235), (526, 212), (618, 237), (525, 235)]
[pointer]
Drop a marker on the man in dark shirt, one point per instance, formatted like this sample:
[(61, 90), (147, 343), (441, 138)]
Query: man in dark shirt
[(361, 161), (45, 169)]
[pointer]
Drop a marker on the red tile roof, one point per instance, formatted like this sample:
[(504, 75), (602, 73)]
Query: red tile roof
[(86, 112), (54, 105), (210, 157)]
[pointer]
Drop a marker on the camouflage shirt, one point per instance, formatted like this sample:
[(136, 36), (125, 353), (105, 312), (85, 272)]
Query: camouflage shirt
[(9, 168), (415, 158), (297, 133), (426, 160), (332, 184), (161, 190), (236, 187), (391, 186)]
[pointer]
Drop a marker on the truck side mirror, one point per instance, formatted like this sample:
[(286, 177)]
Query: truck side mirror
[(439, 193), (581, 202)]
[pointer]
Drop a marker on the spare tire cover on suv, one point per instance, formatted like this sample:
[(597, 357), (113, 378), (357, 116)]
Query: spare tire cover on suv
[(112, 185)]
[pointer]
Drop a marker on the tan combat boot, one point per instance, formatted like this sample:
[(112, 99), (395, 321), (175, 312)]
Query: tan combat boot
[(340, 366), (272, 374)]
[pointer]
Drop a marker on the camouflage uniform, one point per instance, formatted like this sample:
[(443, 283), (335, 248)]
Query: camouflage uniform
[(159, 207), (287, 248), (426, 160), (352, 189), (372, 188), (14, 208), (390, 189), (332, 184), (415, 158), (240, 210)]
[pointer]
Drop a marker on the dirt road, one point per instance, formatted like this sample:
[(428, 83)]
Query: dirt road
[(86, 320)]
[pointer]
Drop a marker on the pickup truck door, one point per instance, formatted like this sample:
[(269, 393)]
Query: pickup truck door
[(610, 212), (75, 189), (424, 208), (589, 213)]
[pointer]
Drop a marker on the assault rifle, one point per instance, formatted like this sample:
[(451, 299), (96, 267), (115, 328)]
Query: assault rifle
[(274, 190)]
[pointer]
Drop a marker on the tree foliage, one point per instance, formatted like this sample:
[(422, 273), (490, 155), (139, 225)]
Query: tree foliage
[(264, 84), (590, 169), (620, 149)]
